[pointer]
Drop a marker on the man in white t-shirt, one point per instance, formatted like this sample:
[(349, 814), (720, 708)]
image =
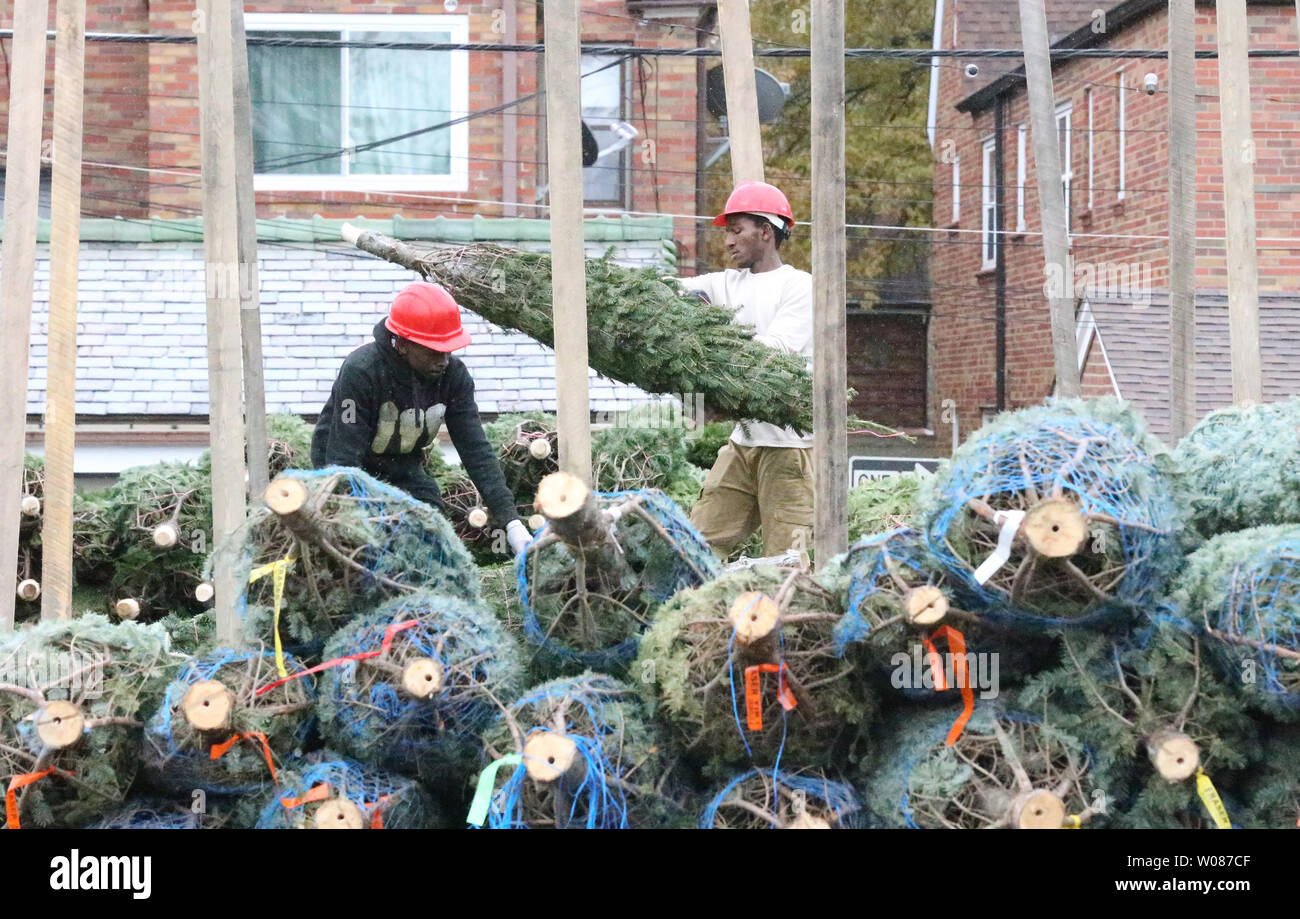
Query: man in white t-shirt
[(763, 475)]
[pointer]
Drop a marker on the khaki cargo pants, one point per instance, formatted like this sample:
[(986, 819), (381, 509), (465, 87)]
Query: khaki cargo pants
[(750, 487)]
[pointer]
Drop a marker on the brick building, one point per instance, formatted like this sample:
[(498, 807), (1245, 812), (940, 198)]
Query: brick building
[(141, 110), (1115, 176)]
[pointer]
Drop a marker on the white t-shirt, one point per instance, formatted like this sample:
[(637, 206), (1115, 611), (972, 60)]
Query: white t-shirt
[(777, 305)]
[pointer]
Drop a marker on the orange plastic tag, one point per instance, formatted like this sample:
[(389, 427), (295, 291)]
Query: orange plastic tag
[(377, 814), (11, 795), (221, 749), (317, 793), (956, 648), (389, 634), (754, 693)]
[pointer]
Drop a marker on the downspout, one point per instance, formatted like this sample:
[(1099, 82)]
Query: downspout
[(1001, 270), (510, 117), (936, 44), (706, 22)]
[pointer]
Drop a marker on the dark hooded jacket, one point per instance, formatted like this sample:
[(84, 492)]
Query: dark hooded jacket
[(381, 415)]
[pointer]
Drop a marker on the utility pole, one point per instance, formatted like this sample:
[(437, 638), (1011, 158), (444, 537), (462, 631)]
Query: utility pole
[(221, 252), (830, 370), (1239, 200), (568, 258), (742, 95), (18, 266), (1182, 217), (65, 257), (1051, 202)]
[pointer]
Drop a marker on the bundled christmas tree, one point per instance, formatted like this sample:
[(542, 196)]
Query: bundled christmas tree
[(414, 684), (641, 329), (527, 445), (1240, 468), (30, 507), (703, 443), (341, 541), (339, 794), (763, 799), (224, 721), (1244, 589), (1000, 769), (71, 711), (499, 586), (1155, 715), (94, 537), (632, 457), (590, 580), (745, 667), (1057, 515), (288, 445), (1272, 789), (575, 753)]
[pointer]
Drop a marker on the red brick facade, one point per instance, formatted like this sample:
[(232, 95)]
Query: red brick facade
[(964, 295), (141, 110)]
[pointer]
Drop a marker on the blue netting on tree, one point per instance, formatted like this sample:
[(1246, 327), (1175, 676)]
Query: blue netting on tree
[(883, 569), (1257, 626), (310, 795), (601, 717), (178, 756), (454, 649), (597, 623), (1088, 512), (154, 817), (355, 543), (766, 799)]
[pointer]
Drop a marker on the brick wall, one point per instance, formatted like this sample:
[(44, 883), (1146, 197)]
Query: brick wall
[(962, 329), (142, 110), (142, 350)]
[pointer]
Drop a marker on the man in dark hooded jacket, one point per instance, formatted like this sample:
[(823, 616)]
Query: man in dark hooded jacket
[(392, 395)]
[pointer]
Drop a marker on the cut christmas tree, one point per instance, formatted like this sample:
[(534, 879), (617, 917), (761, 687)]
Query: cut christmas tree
[(339, 794), (763, 799)]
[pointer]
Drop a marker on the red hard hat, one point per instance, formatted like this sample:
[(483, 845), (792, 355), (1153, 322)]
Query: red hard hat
[(427, 315), (755, 198)]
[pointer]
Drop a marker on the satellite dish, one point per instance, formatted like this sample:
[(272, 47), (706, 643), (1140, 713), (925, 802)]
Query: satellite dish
[(771, 92), (590, 149)]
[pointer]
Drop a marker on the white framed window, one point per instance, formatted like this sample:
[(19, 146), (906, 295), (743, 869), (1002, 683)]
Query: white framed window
[(604, 95), (956, 188), (989, 206), (1064, 131), (309, 103), (1022, 144), (1088, 95), (1121, 118)]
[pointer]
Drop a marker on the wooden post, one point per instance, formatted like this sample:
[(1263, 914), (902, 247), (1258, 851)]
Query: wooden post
[(250, 302), (1058, 269), (1239, 200), (17, 267), (568, 259), (65, 246), (221, 251), (742, 96), (830, 370), (1182, 217)]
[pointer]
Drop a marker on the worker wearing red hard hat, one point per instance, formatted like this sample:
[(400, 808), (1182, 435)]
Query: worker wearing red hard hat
[(392, 395), (763, 475)]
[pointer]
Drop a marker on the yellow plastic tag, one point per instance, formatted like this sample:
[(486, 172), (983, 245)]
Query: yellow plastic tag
[(1213, 803), (277, 571)]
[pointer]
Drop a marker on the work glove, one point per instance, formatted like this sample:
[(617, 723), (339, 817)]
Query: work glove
[(518, 536)]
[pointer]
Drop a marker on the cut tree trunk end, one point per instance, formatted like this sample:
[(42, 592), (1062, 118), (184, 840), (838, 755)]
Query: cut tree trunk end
[(30, 506), (127, 608), (754, 616), (1175, 755), (208, 706), (204, 592), (577, 520), (1038, 810), (925, 605), (550, 757), (422, 677), (477, 518), (338, 814), (1055, 528), (540, 449), (59, 724), (29, 590), (288, 499), (806, 821), (166, 535)]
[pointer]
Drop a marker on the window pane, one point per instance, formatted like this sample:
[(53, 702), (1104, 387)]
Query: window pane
[(602, 107), (393, 92), (296, 95)]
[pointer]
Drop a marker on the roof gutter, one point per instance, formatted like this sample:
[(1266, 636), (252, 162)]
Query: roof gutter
[(931, 119)]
